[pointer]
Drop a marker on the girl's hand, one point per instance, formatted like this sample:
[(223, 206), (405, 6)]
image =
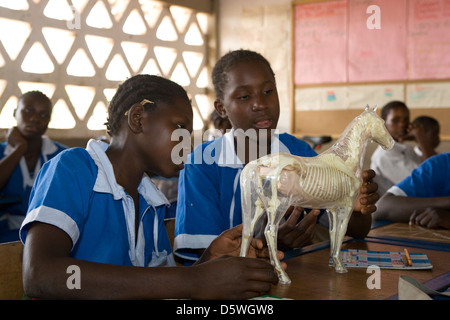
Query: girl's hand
[(294, 233), (15, 138), (233, 278), (229, 244), (368, 195)]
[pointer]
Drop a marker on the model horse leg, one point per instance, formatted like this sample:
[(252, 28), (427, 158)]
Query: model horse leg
[(249, 229), (271, 233), (339, 218)]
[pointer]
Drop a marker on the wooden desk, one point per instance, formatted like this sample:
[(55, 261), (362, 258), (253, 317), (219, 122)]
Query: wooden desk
[(11, 270), (312, 278), (397, 231)]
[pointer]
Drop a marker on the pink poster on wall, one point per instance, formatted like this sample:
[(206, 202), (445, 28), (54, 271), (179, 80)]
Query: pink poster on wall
[(429, 39), (377, 40), (320, 38)]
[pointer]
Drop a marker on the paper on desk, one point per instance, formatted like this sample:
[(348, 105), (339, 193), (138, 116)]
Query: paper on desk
[(353, 258)]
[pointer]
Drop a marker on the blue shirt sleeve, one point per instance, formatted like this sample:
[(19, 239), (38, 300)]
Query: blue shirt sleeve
[(198, 217), (52, 198), (430, 179)]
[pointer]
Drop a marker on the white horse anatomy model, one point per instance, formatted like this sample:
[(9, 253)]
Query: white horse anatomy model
[(328, 181)]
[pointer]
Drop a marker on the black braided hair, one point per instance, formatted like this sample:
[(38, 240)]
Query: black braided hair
[(228, 61), (136, 89), (37, 95)]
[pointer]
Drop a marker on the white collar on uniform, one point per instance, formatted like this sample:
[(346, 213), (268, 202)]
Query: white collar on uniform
[(106, 180), (226, 153), (48, 146), (106, 183), (225, 156)]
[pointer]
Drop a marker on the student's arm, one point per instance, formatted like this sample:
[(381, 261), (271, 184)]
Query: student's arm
[(46, 259), (11, 161), (399, 208), (431, 218)]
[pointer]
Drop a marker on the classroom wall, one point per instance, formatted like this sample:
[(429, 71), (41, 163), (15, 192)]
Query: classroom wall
[(263, 26), (342, 62), (266, 26)]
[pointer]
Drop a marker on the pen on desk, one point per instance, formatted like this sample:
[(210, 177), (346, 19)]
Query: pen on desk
[(408, 258)]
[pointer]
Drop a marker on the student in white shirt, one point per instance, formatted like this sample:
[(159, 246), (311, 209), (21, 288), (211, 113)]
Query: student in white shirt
[(392, 166)]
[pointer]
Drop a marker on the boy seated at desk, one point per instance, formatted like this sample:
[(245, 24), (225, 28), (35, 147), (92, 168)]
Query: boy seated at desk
[(22, 155), (423, 198)]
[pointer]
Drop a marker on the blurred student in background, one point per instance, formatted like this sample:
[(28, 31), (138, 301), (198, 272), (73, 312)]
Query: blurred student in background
[(392, 166), (22, 155)]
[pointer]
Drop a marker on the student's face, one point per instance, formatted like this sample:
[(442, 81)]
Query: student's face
[(32, 116), (158, 145), (250, 97), (397, 121)]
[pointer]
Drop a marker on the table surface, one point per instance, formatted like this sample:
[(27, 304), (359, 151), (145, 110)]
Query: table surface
[(411, 232), (312, 278)]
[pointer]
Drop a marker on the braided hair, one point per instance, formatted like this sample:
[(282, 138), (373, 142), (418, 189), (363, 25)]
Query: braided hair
[(228, 61), (137, 88)]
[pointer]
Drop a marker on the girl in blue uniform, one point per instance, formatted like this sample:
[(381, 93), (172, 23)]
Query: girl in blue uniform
[(97, 209), (209, 200), (22, 155)]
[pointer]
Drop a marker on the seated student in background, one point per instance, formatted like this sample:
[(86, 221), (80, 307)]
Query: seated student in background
[(423, 198), (22, 155), (97, 209), (428, 129), (392, 166), (209, 197)]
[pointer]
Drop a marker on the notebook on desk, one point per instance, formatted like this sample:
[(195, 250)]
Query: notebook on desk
[(353, 258)]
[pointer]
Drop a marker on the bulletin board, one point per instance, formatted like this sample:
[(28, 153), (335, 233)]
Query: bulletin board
[(343, 60)]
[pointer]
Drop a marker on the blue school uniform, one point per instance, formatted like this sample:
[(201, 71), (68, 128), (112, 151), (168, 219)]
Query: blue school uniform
[(20, 184), (78, 193), (209, 197), (430, 179)]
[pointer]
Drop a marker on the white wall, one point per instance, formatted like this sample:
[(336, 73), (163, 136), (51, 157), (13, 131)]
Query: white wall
[(263, 26)]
